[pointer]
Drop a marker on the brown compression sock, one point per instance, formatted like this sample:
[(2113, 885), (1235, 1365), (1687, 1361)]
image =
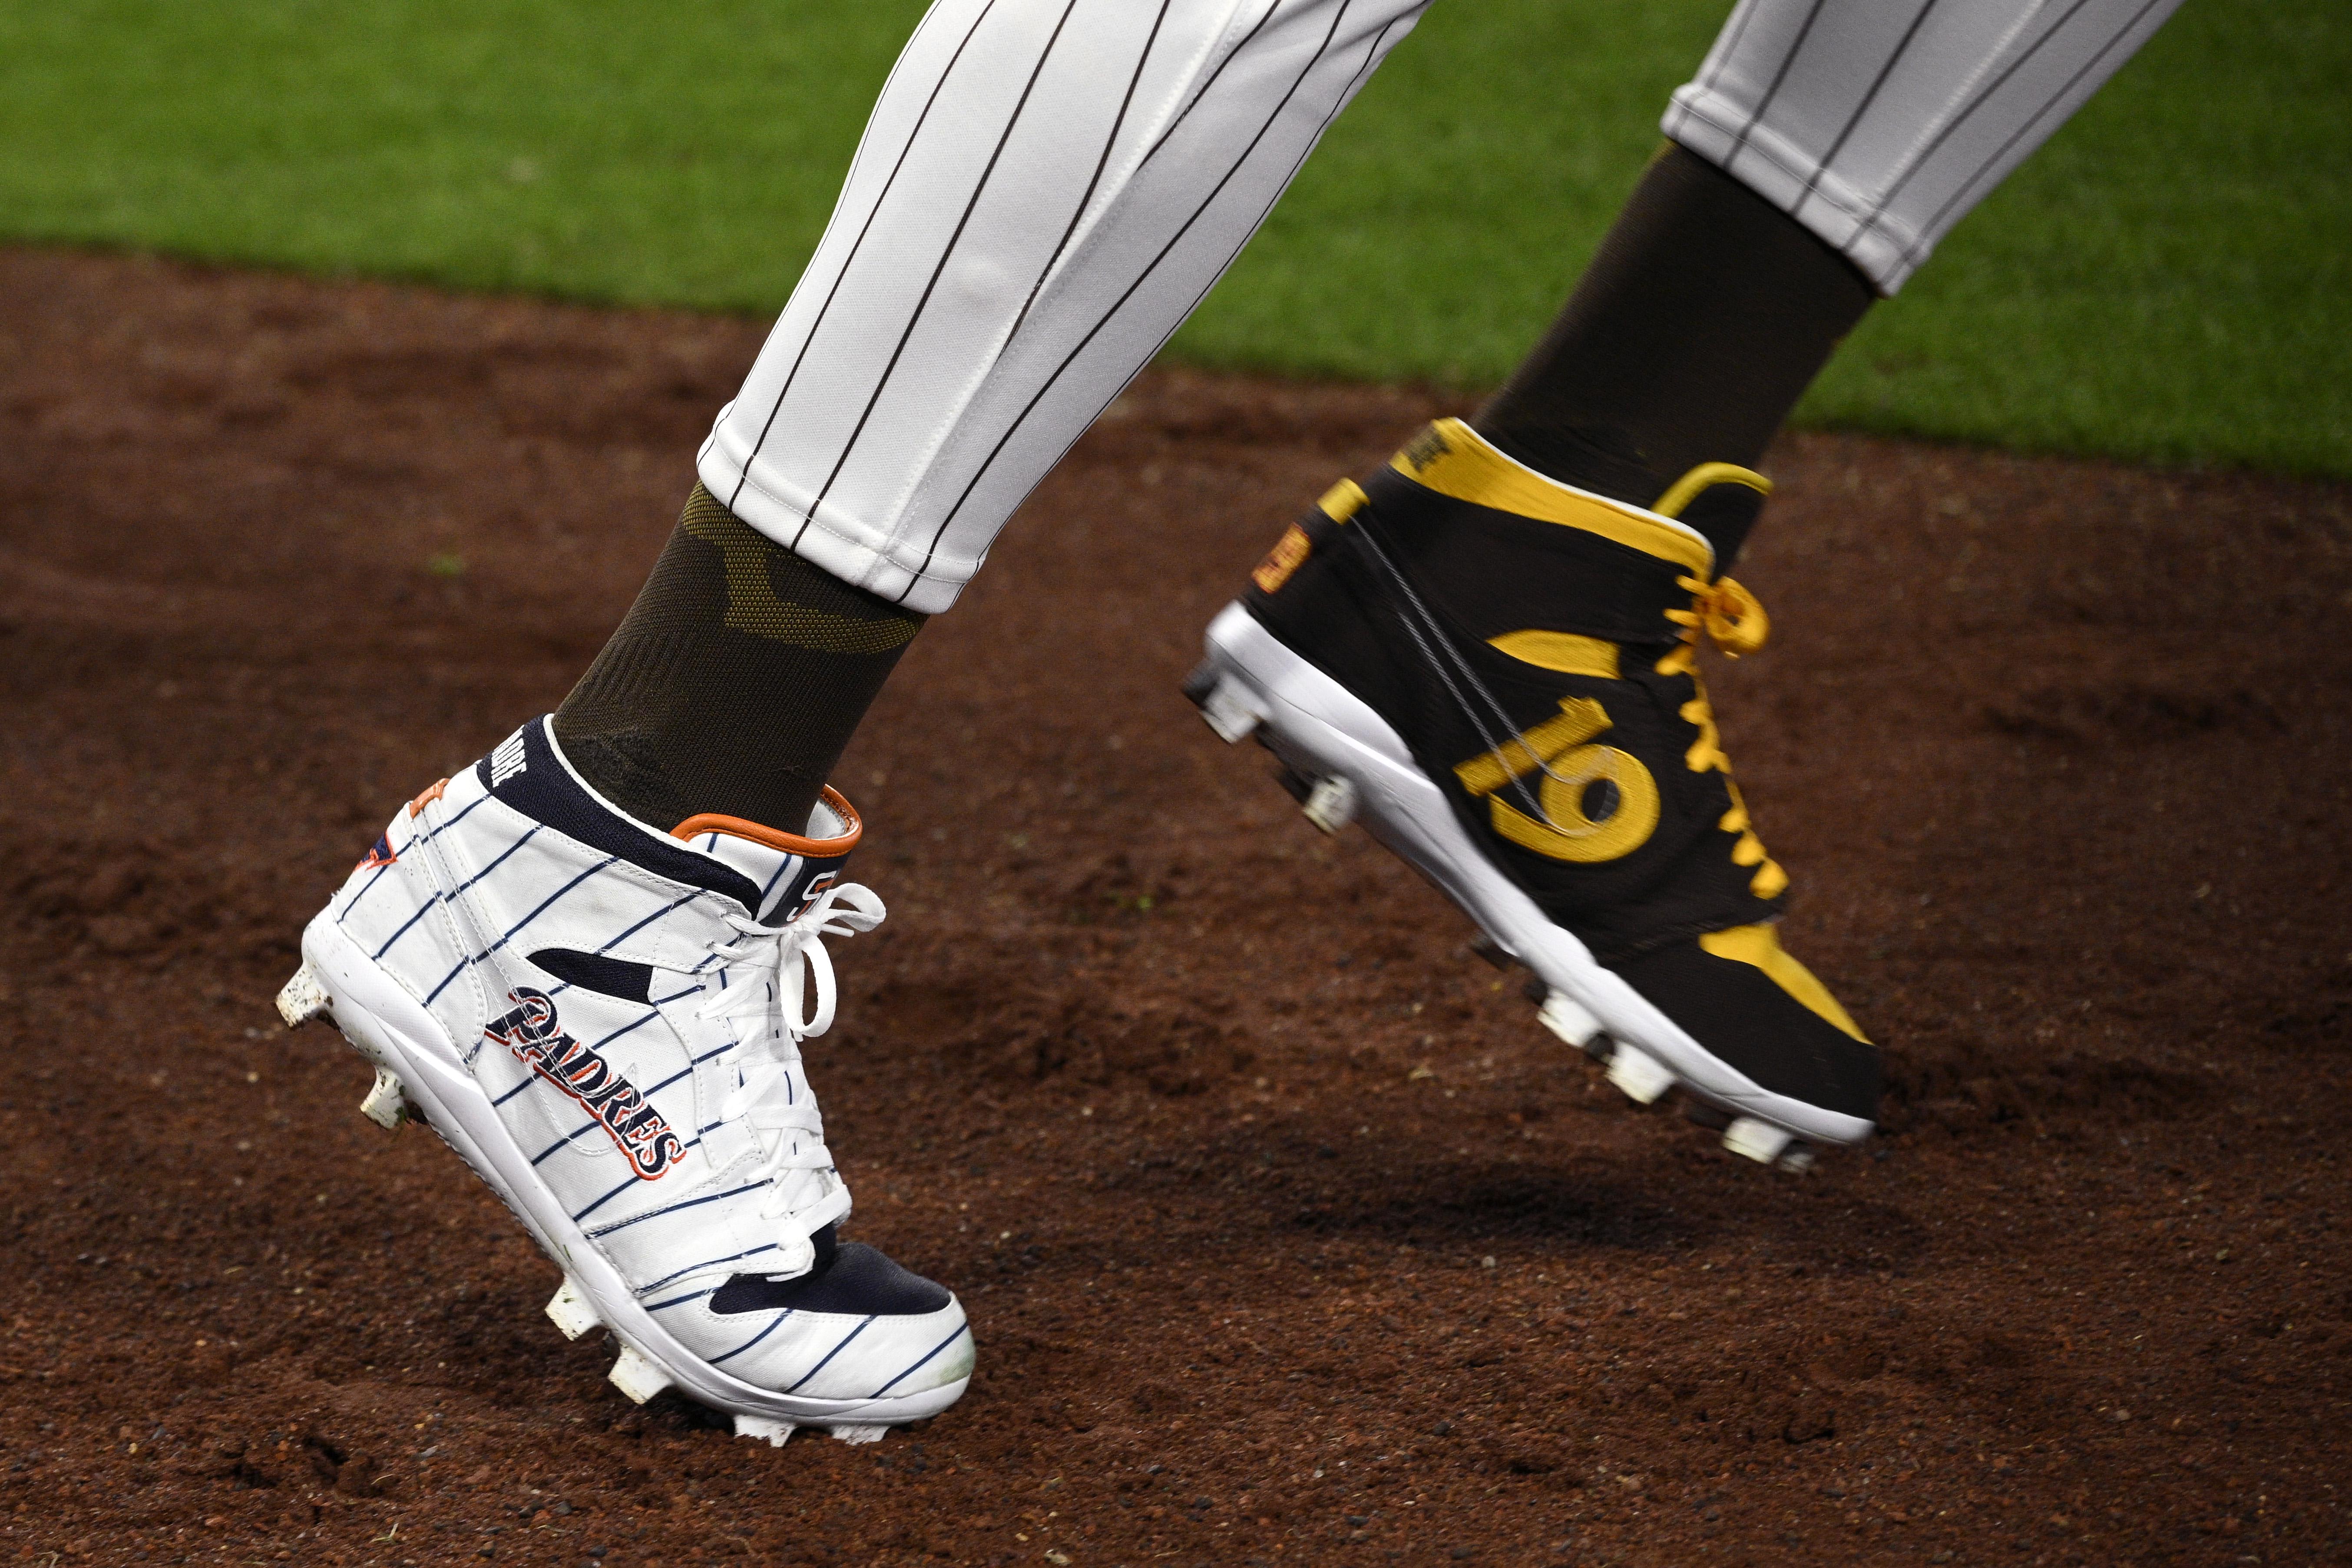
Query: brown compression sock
[(733, 683), (1702, 319)]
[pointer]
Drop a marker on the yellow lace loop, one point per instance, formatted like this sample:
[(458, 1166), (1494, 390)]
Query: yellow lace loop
[(1729, 614), (1736, 623)]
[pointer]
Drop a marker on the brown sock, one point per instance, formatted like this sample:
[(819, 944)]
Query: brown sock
[(733, 683), (1703, 318)]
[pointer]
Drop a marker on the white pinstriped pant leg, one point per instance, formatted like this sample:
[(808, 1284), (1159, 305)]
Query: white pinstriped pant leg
[(1046, 190), (1879, 123)]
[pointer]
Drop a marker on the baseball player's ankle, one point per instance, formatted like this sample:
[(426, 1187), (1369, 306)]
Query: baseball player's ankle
[(733, 683), (1703, 318)]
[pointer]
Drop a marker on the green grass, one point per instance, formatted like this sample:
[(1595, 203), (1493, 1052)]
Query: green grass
[(2167, 280)]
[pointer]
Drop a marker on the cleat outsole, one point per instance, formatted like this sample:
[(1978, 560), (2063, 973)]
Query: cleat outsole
[(1641, 1075), (1331, 805), (386, 1104), (302, 998), (571, 1311), (762, 1429), (637, 1374)]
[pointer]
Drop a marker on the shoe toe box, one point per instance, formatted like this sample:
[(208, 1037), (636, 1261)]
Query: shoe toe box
[(1761, 1013), (858, 1328)]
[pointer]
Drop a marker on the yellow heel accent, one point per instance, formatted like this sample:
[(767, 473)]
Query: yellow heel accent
[(1454, 460), (1761, 946)]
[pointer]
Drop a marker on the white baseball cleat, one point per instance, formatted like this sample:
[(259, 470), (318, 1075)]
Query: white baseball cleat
[(605, 1023)]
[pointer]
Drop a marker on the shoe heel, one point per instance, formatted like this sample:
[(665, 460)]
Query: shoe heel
[(573, 1312), (386, 1104), (637, 1374), (303, 998), (1225, 703)]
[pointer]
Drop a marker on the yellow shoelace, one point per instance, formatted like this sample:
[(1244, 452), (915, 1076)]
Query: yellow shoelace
[(1736, 623)]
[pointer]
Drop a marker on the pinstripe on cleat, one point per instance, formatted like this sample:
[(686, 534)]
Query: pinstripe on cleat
[(849, 1433), (386, 1104), (622, 1065), (760, 1428), (637, 1375), (1641, 1075), (1568, 1019), (572, 1311), (302, 998), (1331, 805)]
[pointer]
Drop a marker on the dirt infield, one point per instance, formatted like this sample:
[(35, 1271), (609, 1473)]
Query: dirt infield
[(1288, 1235)]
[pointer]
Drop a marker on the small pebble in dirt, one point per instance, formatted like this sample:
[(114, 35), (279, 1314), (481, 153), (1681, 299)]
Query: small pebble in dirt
[(1460, 1554)]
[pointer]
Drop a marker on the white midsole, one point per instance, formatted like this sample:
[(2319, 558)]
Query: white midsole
[(392, 1028), (1323, 730)]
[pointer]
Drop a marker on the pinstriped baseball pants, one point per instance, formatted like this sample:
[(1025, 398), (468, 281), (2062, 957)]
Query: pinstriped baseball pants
[(1047, 189)]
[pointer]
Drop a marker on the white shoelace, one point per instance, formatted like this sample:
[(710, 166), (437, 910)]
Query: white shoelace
[(770, 1095)]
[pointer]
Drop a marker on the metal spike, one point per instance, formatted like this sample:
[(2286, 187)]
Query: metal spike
[(847, 1433), (302, 998), (1641, 1075), (572, 1310), (1569, 1019), (386, 1104), (637, 1374), (1759, 1141), (1229, 711), (1332, 803), (761, 1428)]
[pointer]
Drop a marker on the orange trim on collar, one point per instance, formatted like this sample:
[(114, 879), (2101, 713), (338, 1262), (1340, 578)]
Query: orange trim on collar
[(790, 843)]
